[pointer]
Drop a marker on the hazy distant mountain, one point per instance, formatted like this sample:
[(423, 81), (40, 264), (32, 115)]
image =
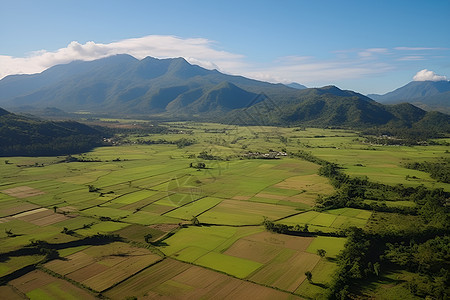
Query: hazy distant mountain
[(175, 89), (3, 112), (123, 84), (296, 85), (429, 95), (330, 106)]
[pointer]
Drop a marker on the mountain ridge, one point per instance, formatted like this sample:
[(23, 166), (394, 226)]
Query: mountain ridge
[(429, 95), (173, 89), (121, 83), (30, 136)]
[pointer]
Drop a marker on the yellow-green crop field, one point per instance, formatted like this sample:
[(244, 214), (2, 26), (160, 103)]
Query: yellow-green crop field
[(184, 231)]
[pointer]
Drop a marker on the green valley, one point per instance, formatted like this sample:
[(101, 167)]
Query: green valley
[(272, 210)]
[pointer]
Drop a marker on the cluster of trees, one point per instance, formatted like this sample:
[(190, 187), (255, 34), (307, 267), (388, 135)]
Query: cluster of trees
[(360, 259), (57, 146), (438, 170), (351, 192), (283, 228), (208, 156), (423, 249), (403, 135), (199, 165), (431, 259), (366, 255), (25, 136), (181, 143)]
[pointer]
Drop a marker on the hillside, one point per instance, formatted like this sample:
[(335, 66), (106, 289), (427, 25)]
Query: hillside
[(25, 136), (123, 84), (429, 95), (329, 106), (173, 89), (296, 85)]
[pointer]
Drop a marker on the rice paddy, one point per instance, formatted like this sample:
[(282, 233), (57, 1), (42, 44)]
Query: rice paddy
[(187, 231)]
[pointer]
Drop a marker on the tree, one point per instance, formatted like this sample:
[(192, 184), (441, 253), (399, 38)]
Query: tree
[(376, 268), (308, 275), (92, 188), (67, 231), (148, 238), (195, 221), (305, 228), (54, 209), (9, 232), (321, 252)]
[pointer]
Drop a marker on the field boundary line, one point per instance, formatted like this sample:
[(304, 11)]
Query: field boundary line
[(315, 265), (63, 277), (235, 277), (295, 214), (202, 197), (134, 274), (140, 208), (210, 207), (108, 201), (148, 177), (16, 290)]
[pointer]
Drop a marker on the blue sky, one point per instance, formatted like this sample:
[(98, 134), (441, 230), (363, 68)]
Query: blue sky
[(366, 46)]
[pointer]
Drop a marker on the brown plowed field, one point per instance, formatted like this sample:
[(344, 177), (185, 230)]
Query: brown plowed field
[(23, 192), (171, 279), (48, 287)]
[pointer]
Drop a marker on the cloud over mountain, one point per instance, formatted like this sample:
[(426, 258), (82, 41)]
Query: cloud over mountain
[(340, 67), (426, 75), (195, 50)]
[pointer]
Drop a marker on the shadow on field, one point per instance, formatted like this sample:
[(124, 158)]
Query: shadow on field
[(42, 247), (49, 252)]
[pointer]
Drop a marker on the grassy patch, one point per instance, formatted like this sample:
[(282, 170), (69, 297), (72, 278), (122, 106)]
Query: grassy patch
[(333, 245), (235, 266)]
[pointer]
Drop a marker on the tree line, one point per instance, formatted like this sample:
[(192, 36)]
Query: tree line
[(422, 250)]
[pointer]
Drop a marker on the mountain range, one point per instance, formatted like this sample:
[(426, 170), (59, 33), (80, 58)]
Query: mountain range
[(124, 84), (173, 89), (429, 95)]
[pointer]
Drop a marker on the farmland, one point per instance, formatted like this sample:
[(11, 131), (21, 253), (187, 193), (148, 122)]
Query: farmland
[(148, 220)]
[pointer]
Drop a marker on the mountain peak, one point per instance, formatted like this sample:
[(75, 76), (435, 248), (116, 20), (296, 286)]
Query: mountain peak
[(428, 94), (296, 85), (3, 112)]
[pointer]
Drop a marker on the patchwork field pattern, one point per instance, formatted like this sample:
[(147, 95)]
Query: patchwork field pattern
[(266, 258), (171, 278), (39, 285), (168, 229), (100, 267)]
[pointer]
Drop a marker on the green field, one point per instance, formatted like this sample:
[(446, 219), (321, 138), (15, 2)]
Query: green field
[(205, 221)]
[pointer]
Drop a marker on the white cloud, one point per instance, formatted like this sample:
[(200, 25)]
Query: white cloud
[(203, 52), (425, 75), (196, 50), (371, 52), (311, 71), (411, 58), (418, 48)]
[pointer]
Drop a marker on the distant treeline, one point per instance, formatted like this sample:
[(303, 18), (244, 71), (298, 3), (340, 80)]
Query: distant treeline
[(181, 143), (26, 136), (400, 135), (439, 171), (57, 146)]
